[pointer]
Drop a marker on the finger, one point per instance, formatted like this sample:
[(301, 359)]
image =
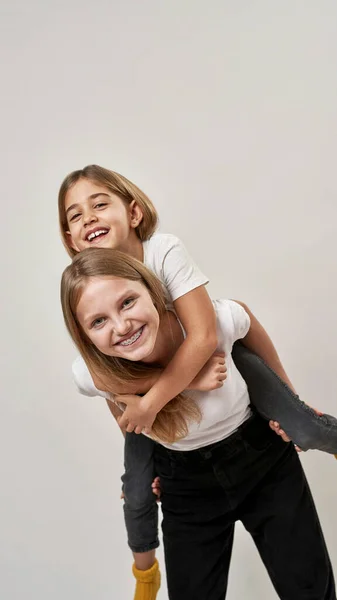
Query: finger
[(297, 448), (147, 430), (130, 427), (122, 422), (138, 429), (284, 436)]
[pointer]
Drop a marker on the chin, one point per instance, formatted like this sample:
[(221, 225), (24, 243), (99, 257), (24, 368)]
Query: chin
[(140, 354)]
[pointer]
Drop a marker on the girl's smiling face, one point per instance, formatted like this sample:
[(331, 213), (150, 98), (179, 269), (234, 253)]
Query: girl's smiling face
[(98, 218), (119, 317)]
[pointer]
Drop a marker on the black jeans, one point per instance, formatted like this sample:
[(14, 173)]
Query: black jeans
[(254, 477)]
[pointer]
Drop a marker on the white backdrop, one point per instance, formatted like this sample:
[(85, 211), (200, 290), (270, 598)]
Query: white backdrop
[(225, 114)]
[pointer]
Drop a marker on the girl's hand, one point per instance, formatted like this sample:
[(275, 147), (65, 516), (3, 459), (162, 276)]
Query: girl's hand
[(156, 488), (212, 375), (138, 416), (275, 426)]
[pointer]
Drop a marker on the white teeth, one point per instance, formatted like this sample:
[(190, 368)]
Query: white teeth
[(91, 236), (132, 339)]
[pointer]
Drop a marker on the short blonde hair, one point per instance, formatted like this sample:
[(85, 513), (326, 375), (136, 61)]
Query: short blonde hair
[(115, 183), (172, 421)]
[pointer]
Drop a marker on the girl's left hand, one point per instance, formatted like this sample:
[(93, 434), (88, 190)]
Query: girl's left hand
[(275, 426), (137, 416), (156, 488)]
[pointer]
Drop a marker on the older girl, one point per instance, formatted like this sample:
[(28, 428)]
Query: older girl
[(218, 462)]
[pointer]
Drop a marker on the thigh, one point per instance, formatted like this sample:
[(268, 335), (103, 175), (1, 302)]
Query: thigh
[(198, 531), (280, 515)]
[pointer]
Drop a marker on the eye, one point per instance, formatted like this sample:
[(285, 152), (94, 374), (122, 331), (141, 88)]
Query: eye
[(100, 205), (98, 322), (128, 302), (74, 217)]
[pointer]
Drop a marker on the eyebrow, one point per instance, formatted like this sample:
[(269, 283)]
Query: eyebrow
[(91, 197)]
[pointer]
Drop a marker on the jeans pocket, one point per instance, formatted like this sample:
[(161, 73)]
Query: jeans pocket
[(164, 466), (258, 436)]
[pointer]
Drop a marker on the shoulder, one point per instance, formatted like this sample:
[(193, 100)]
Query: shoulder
[(83, 380), (161, 253), (162, 242)]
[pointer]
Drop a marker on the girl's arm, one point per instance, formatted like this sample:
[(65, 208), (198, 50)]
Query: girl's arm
[(258, 340), (197, 316), (136, 386)]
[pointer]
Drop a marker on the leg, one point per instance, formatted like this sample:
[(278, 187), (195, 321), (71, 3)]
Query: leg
[(141, 513), (274, 400), (197, 528), (280, 515)]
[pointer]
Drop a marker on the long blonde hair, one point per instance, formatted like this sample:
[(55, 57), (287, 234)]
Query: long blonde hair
[(172, 421), (115, 183)]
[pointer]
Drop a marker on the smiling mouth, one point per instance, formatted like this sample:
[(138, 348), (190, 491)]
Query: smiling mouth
[(133, 339), (97, 235)]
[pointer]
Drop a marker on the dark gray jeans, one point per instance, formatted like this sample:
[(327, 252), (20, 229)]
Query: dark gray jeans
[(269, 395)]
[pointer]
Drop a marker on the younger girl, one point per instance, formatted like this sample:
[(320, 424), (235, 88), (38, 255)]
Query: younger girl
[(100, 208), (216, 461)]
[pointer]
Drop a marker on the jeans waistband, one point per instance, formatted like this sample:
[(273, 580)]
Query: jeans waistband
[(254, 422)]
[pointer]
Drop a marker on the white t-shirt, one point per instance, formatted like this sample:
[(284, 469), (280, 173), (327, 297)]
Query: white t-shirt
[(225, 409)]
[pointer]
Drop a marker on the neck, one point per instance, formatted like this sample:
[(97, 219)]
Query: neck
[(169, 338), (133, 246)]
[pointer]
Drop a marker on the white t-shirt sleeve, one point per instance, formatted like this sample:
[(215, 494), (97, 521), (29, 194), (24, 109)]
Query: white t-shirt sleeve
[(84, 381), (241, 320), (180, 274)]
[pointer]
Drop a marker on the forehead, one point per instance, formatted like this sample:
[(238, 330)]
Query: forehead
[(82, 190)]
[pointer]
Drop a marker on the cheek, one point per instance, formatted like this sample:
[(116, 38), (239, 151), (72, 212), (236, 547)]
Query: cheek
[(98, 339), (153, 318), (120, 220)]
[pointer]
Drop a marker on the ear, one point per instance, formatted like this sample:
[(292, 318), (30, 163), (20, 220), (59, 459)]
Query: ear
[(70, 242), (136, 214)]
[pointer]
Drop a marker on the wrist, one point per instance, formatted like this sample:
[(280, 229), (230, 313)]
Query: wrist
[(152, 403)]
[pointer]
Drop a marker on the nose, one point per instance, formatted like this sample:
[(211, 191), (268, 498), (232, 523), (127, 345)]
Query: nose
[(89, 217), (122, 326)]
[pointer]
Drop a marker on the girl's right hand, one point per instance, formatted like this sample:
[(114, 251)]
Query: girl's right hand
[(212, 375)]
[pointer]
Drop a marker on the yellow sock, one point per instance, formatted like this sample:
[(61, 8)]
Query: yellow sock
[(148, 582)]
